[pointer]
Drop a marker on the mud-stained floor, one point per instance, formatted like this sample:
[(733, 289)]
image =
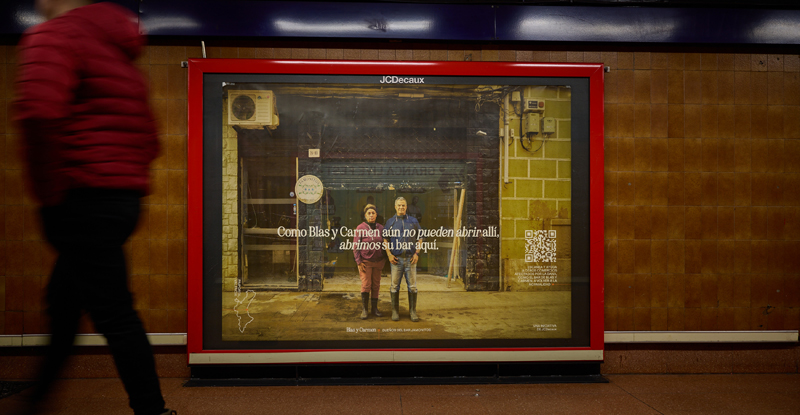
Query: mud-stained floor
[(445, 313)]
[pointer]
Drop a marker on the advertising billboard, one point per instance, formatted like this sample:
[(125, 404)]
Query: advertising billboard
[(394, 211)]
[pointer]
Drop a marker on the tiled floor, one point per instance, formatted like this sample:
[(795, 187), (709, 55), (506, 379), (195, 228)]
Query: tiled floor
[(625, 394)]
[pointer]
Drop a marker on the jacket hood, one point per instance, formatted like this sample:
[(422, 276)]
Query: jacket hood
[(113, 24)]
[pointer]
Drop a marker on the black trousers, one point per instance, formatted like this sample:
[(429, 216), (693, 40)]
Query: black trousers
[(88, 230)]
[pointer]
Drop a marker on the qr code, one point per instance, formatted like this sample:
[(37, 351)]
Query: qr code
[(540, 246)]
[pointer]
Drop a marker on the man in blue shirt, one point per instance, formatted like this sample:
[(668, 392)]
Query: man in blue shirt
[(401, 239)]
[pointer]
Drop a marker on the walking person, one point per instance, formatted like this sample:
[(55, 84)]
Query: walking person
[(368, 252), (401, 241), (89, 138)]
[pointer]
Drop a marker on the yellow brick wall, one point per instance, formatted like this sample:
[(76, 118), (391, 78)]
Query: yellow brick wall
[(539, 188)]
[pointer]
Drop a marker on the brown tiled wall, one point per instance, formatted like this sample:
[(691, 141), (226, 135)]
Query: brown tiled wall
[(156, 251), (702, 215)]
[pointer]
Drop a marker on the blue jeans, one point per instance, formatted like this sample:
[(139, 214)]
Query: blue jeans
[(404, 268)]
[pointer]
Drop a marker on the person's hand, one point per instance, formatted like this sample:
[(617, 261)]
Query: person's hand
[(362, 267), (393, 259), (414, 259)]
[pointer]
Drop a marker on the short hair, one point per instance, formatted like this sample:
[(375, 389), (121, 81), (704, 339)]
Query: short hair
[(400, 199), (370, 206)]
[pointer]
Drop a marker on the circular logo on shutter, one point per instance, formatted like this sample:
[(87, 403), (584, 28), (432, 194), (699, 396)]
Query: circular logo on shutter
[(308, 189)]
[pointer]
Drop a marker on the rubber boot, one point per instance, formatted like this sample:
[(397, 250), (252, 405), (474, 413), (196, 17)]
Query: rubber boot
[(412, 306), (364, 305), (395, 306), (375, 311)]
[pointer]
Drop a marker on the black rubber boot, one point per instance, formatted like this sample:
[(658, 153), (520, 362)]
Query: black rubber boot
[(364, 305), (375, 311), (395, 306), (412, 306)]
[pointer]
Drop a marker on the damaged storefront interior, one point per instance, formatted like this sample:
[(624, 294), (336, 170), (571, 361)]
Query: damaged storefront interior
[(429, 145)]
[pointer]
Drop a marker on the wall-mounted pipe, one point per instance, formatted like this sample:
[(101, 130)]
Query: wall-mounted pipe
[(507, 139)]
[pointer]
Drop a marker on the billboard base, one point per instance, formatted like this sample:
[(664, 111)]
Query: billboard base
[(396, 374)]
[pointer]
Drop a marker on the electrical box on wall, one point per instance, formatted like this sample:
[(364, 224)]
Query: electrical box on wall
[(549, 125), (532, 104), (532, 123), (249, 107)]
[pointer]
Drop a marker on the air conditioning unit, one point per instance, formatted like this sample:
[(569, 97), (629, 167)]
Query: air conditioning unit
[(246, 107)]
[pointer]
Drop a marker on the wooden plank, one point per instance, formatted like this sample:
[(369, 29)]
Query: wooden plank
[(457, 225)]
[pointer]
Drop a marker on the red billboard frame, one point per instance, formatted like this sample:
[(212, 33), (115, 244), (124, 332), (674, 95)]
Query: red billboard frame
[(199, 67)]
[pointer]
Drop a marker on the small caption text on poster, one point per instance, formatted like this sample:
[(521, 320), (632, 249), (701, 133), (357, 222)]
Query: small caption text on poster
[(538, 275), (356, 330)]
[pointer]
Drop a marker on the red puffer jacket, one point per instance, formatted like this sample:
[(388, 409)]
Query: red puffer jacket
[(82, 104)]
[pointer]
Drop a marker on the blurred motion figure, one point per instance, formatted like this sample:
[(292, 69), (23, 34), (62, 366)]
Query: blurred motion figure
[(89, 138)]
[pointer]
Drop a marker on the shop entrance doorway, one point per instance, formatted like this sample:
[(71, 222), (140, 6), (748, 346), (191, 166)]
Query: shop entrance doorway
[(431, 189), (268, 204)]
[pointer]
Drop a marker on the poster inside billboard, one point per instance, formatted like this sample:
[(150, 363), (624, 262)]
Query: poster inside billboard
[(345, 212)]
